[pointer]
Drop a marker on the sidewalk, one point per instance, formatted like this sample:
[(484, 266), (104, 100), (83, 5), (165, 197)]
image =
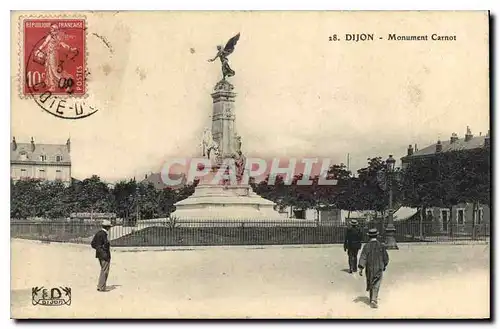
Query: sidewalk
[(403, 245)]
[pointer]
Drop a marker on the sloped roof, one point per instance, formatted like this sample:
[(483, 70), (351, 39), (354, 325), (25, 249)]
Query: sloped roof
[(49, 150), (447, 146), (359, 214), (404, 213), (157, 181)]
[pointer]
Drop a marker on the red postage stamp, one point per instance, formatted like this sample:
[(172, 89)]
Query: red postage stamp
[(54, 56)]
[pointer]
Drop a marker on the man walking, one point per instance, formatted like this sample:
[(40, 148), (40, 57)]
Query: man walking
[(101, 245), (352, 244), (374, 259)]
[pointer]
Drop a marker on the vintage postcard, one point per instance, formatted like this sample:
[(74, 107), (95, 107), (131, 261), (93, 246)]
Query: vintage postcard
[(255, 165)]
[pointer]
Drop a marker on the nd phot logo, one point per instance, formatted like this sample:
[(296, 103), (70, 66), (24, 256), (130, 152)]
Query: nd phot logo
[(51, 297)]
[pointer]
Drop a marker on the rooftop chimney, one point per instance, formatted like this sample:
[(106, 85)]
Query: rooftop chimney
[(453, 138), (14, 144), (416, 148), (32, 145), (468, 135), (439, 146), (410, 150), (68, 145)]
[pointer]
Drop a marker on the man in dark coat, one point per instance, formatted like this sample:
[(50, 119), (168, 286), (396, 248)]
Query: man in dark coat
[(374, 259), (352, 244), (102, 248)]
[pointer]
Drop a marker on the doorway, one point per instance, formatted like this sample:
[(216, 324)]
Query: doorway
[(444, 220)]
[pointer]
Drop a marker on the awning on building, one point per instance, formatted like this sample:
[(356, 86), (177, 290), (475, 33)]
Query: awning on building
[(404, 213)]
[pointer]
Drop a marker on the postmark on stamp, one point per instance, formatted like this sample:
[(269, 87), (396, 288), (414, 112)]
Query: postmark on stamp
[(53, 70)]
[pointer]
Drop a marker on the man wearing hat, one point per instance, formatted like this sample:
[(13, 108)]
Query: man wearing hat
[(101, 245), (374, 259), (352, 244)]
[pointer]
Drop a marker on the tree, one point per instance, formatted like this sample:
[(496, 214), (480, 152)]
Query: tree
[(477, 181), (349, 197), (186, 191), (148, 200), (25, 195), (302, 194), (94, 195), (53, 200), (338, 196), (420, 186), (279, 193), (166, 200), (447, 179), (124, 198), (372, 192), (298, 195), (472, 177)]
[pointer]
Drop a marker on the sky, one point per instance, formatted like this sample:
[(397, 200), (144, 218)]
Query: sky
[(299, 95)]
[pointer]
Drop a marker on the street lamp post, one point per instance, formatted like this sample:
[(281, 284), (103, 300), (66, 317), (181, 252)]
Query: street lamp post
[(390, 230)]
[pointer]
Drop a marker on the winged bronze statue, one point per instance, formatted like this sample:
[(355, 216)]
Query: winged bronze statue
[(222, 55)]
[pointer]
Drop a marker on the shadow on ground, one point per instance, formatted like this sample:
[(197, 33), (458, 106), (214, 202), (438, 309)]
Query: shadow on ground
[(362, 299), (113, 286)]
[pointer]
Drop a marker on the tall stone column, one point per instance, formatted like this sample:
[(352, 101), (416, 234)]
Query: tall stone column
[(223, 117), (213, 201)]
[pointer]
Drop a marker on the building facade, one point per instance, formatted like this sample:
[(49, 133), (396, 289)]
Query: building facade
[(49, 162), (462, 218)]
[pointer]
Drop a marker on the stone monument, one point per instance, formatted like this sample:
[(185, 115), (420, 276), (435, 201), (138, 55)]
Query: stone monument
[(229, 201)]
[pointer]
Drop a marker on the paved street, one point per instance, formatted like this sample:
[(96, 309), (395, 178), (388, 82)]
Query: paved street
[(255, 282)]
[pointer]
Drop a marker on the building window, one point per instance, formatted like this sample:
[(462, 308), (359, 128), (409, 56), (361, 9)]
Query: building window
[(460, 217), (480, 215), (43, 157), (23, 156), (58, 174), (299, 214), (58, 158), (429, 214), (42, 174), (445, 218), (24, 173)]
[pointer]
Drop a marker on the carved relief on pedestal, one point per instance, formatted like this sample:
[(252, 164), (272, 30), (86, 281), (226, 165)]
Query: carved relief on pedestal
[(228, 113), (210, 147), (237, 143)]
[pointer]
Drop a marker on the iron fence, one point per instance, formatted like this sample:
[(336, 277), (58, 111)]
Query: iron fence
[(56, 231), (169, 232)]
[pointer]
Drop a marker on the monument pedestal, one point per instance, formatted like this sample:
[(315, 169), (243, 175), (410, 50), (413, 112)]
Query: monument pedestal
[(216, 201), (225, 203)]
